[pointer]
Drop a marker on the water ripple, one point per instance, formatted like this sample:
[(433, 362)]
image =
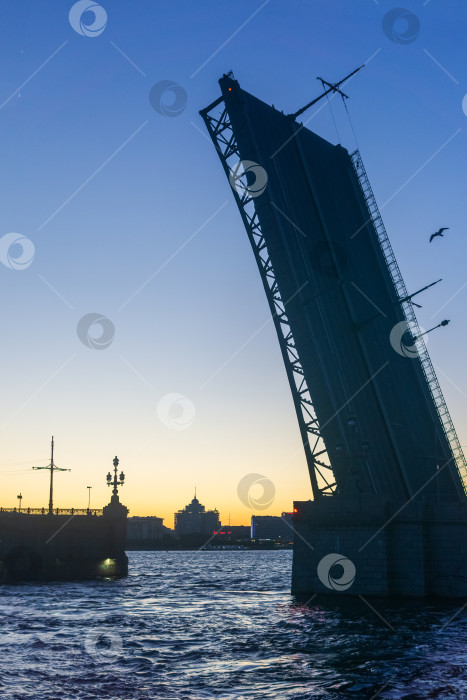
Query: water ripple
[(195, 625)]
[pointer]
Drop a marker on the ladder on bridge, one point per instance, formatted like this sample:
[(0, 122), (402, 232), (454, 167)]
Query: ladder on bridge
[(412, 323)]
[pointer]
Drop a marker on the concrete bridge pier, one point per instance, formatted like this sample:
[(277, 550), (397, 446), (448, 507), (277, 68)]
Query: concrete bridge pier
[(368, 545)]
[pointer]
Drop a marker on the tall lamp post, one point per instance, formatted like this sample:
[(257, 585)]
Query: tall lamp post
[(20, 498), (89, 496), (117, 480), (115, 509)]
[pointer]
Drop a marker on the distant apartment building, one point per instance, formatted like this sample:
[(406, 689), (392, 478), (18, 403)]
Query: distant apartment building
[(146, 531), (194, 519), (272, 527)]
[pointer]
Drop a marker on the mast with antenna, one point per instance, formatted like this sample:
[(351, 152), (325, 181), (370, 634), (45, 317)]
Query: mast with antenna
[(53, 467), (333, 87), (409, 297)]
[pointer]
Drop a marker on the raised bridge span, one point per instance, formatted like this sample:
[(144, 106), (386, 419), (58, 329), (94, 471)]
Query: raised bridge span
[(386, 467)]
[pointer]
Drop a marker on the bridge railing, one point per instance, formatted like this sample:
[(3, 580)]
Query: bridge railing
[(412, 323), (56, 511)]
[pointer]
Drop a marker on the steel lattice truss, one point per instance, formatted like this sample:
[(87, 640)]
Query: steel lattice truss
[(412, 323), (219, 127)]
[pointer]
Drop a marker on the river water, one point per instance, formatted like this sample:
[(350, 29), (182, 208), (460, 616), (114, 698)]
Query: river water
[(222, 624)]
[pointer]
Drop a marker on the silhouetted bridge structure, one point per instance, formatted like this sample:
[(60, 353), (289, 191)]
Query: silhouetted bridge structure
[(56, 511), (386, 467), (47, 544)]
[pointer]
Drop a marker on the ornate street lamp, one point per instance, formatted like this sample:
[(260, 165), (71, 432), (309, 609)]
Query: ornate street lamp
[(117, 480)]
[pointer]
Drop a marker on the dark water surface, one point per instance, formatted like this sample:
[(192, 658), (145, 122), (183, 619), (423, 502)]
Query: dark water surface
[(222, 624)]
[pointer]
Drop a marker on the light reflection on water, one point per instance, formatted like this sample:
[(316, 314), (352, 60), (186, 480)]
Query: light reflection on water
[(223, 624)]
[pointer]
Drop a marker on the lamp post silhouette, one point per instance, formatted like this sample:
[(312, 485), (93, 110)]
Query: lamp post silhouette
[(115, 508), (412, 339), (117, 480), (89, 496), (20, 498)]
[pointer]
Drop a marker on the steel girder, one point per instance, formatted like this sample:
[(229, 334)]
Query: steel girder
[(321, 474)]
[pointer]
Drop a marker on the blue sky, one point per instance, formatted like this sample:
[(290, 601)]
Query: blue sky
[(108, 190)]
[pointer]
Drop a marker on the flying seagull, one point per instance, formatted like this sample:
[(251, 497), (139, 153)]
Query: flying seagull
[(439, 233)]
